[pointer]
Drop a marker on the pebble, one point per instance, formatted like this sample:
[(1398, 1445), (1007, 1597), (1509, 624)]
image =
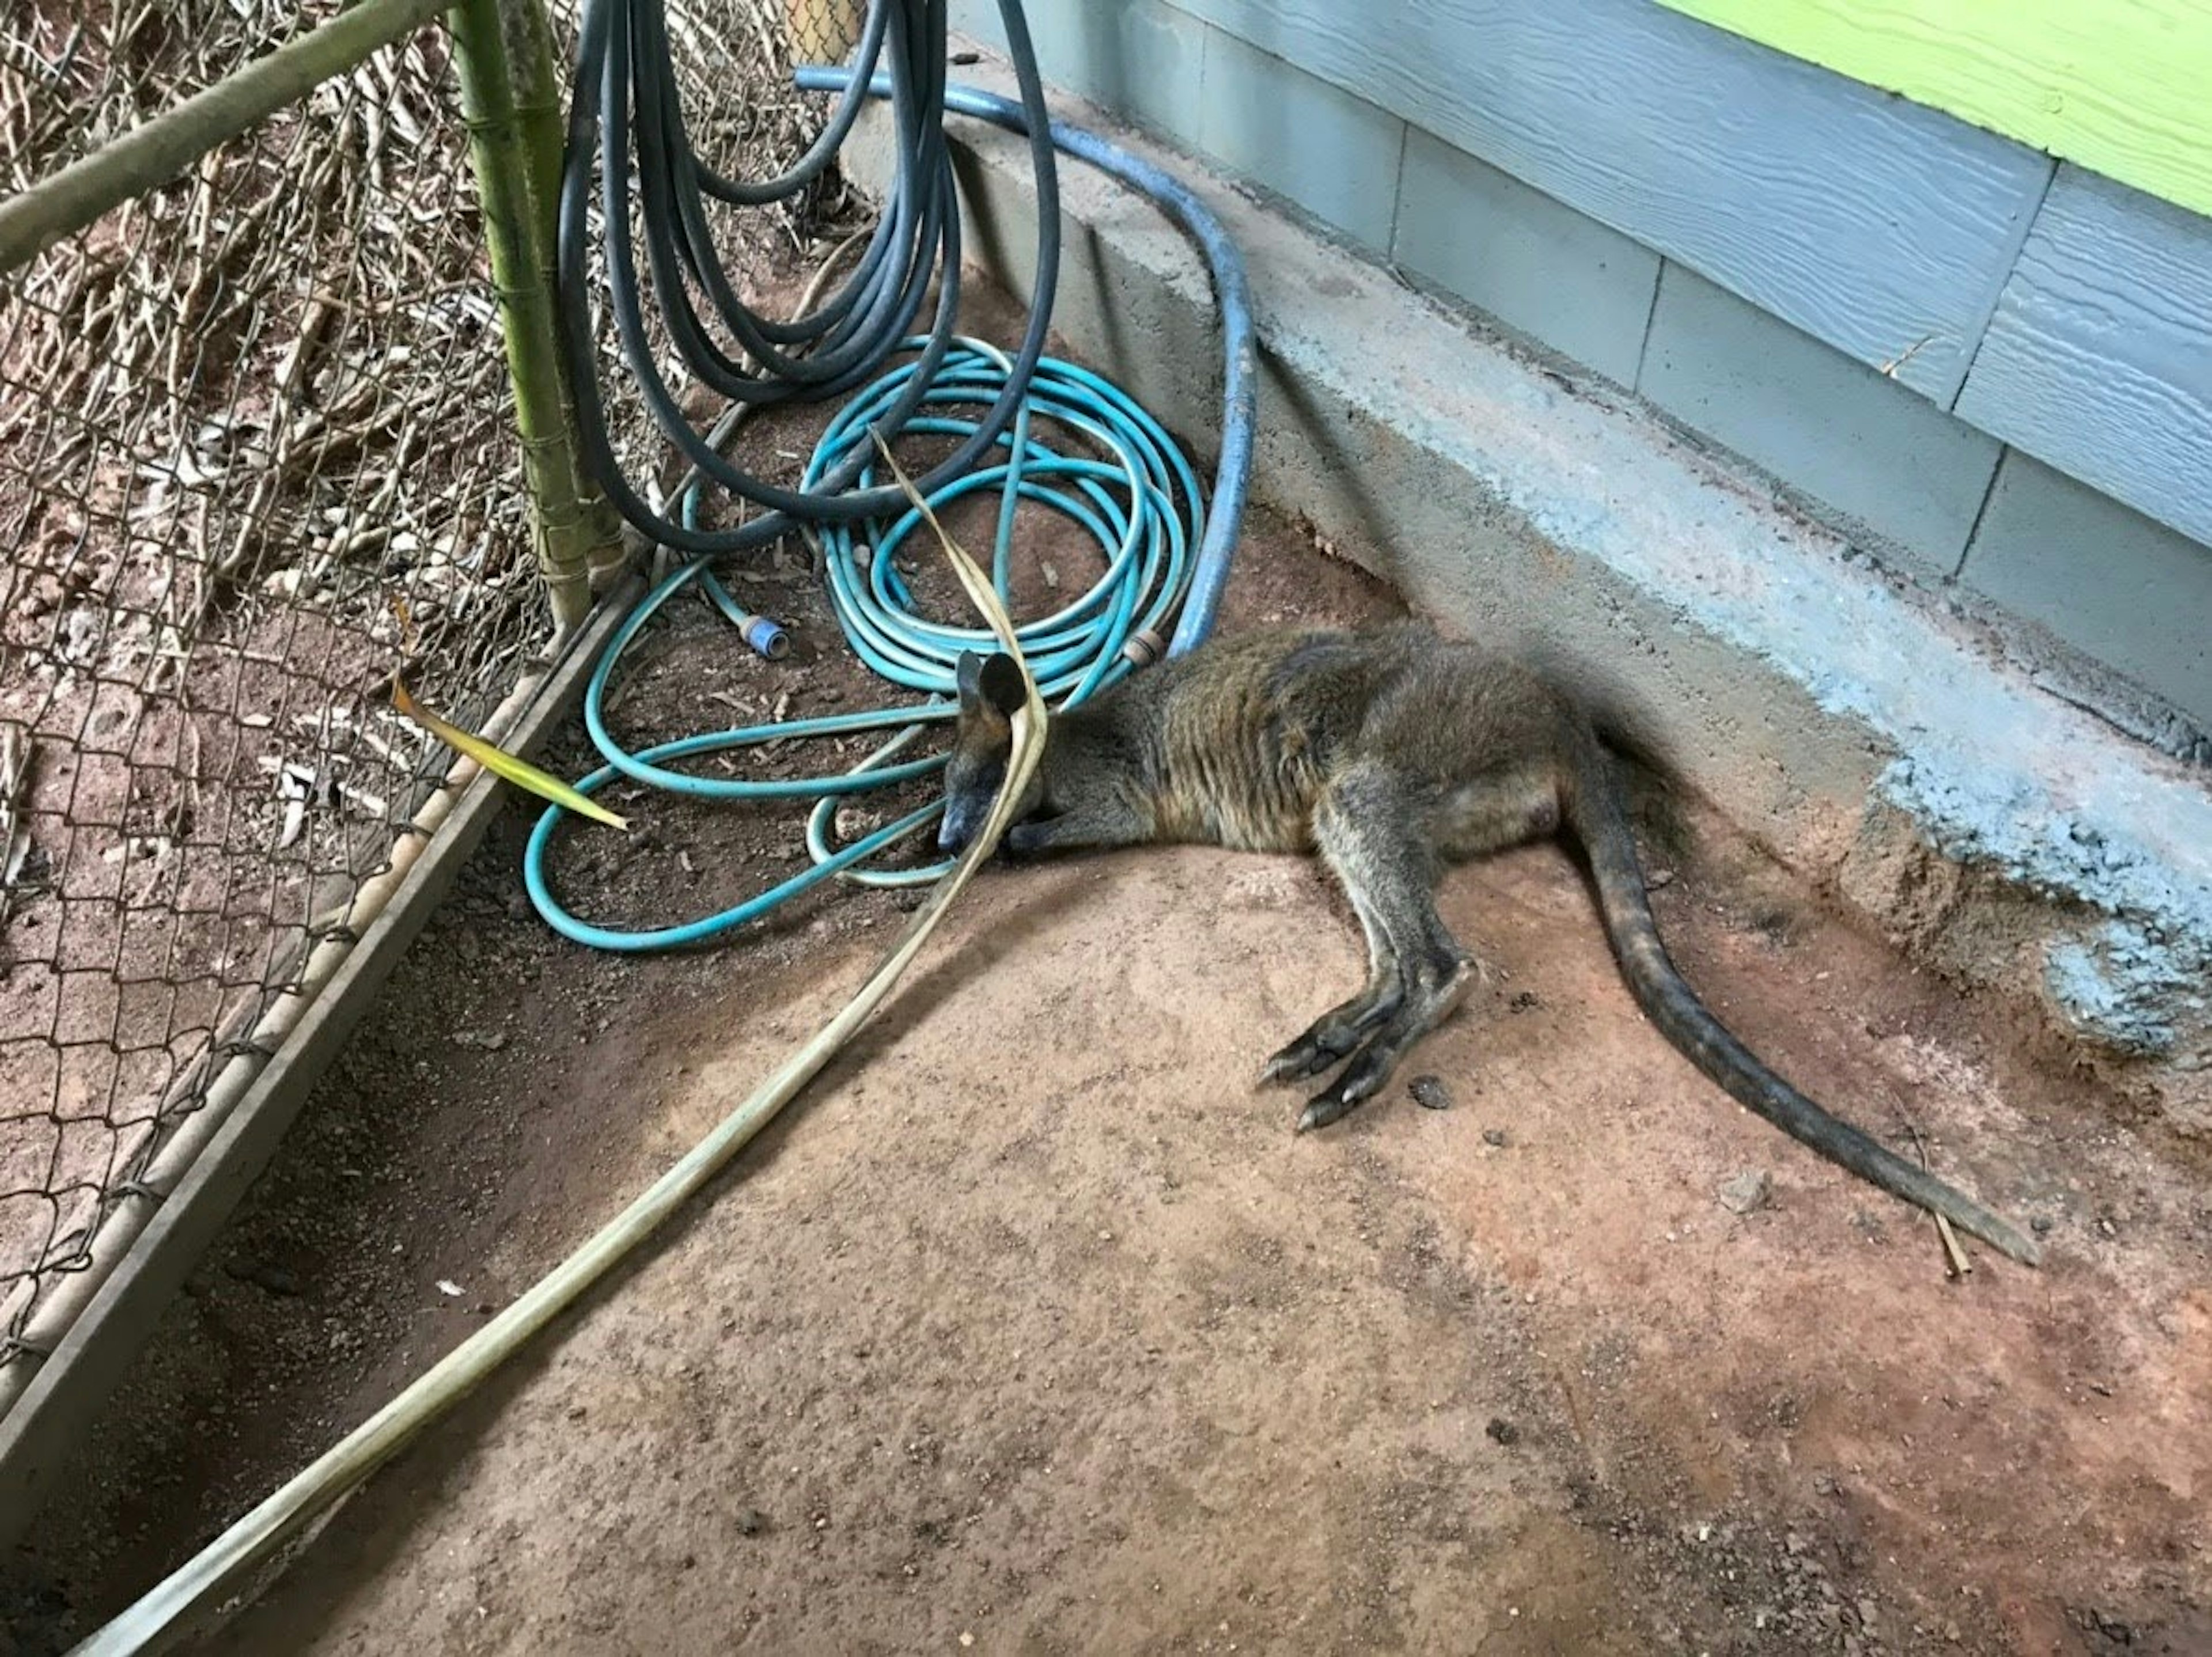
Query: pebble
[(1430, 1093), (1495, 1137), (1746, 1192), (274, 1278)]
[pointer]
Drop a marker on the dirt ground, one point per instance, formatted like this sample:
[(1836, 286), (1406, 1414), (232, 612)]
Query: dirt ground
[(1032, 1327)]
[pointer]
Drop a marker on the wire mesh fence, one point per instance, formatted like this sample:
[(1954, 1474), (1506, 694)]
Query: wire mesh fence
[(257, 459), (253, 461)]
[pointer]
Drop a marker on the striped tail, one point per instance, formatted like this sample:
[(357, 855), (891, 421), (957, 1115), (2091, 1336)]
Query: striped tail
[(1591, 806)]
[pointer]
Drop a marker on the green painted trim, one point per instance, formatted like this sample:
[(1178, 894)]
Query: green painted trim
[(2118, 87)]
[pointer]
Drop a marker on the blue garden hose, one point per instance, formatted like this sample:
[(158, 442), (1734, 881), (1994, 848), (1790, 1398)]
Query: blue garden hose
[(1144, 509)]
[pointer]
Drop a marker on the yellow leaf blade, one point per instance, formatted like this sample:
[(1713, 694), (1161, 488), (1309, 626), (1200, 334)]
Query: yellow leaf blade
[(500, 763), (971, 576)]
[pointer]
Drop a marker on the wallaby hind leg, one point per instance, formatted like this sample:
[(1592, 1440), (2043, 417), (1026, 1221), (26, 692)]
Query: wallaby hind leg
[(1331, 1038), (1374, 841)]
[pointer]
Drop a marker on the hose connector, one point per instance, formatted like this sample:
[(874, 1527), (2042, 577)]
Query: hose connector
[(1144, 647), (766, 637)]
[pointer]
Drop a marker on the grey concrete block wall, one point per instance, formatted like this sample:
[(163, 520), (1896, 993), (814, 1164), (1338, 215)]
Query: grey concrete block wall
[(1841, 267), (1540, 268), (1334, 156), (2105, 578), (1141, 58), (1846, 434), (2098, 360)]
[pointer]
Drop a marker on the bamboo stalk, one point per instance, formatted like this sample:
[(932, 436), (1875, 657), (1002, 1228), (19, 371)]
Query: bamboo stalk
[(156, 153), (534, 68), (518, 235)]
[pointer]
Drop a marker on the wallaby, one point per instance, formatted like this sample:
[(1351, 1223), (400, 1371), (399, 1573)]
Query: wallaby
[(1391, 752)]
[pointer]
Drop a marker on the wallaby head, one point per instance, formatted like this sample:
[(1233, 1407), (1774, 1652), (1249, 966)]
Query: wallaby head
[(991, 690)]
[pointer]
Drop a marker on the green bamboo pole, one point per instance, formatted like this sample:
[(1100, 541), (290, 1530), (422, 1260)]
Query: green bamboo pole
[(159, 150), (517, 234), (537, 107)]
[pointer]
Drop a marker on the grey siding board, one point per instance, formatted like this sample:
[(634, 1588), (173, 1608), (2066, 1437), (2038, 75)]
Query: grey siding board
[(1537, 266), (1331, 153), (2107, 580), (1845, 435), (1138, 58), (2098, 360), (1867, 221), (1334, 155)]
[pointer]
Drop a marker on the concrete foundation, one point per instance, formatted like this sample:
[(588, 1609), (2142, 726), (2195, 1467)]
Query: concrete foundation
[(1865, 728)]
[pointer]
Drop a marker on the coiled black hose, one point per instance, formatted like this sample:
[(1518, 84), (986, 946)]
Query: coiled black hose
[(626, 114)]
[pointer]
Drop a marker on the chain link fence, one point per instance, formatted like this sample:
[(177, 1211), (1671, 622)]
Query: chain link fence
[(258, 456)]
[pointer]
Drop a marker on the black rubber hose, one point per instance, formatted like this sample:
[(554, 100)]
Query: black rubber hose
[(625, 113)]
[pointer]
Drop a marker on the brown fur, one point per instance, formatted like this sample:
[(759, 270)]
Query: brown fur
[(1392, 753)]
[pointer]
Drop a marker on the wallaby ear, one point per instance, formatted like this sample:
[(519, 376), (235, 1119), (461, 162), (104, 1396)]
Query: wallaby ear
[(967, 677), (1001, 683)]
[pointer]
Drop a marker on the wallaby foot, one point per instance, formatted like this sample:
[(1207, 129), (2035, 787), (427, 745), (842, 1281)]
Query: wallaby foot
[(1370, 837), (1435, 991), (1332, 1037)]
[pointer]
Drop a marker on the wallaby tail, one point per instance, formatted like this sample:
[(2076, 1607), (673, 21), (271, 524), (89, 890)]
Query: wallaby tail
[(1591, 805)]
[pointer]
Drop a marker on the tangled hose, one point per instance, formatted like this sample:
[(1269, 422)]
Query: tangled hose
[(1145, 531), (1144, 510)]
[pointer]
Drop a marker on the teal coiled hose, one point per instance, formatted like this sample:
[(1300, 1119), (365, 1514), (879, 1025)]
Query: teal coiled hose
[(1144, 508)]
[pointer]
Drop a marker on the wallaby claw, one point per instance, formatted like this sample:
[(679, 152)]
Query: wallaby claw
[(1305, 1057), (1324, 1107), (1363, 1078)]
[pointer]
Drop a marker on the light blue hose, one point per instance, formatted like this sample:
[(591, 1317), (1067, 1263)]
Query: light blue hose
[(1144, 509), (1232, 292)]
